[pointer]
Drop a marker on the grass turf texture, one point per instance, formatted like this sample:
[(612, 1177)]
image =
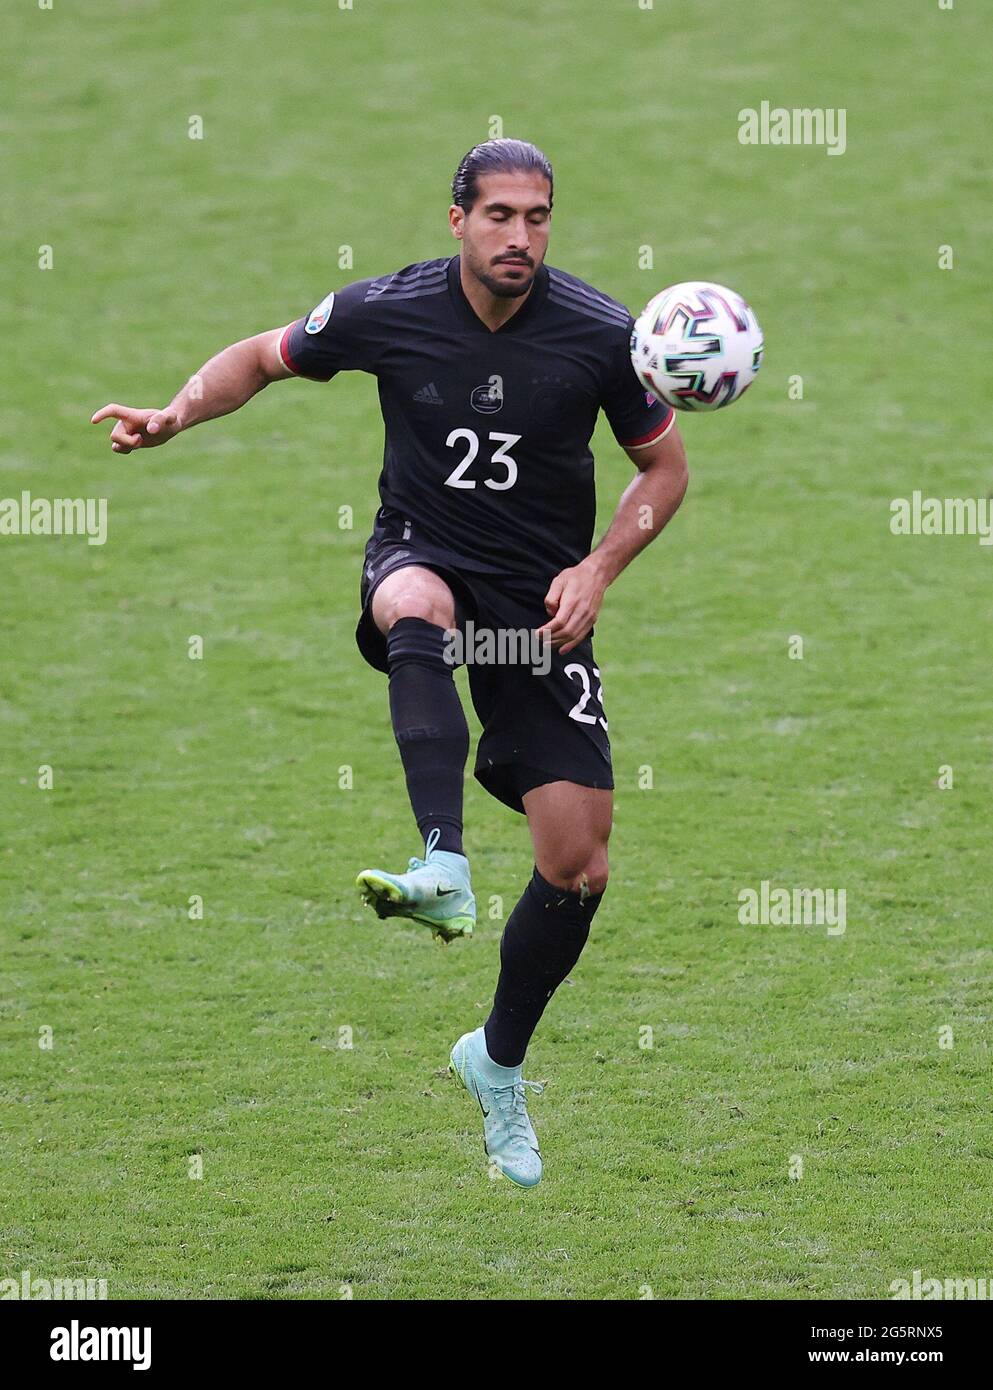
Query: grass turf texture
[(324, 1166)]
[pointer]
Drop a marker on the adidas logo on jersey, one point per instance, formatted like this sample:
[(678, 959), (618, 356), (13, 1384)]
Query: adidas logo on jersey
[(429, 395)]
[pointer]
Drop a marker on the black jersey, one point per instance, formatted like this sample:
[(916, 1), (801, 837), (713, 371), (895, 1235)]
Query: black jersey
[(487, 433)]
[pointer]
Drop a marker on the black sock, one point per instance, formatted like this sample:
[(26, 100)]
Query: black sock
[(544, 937), (430, 727)]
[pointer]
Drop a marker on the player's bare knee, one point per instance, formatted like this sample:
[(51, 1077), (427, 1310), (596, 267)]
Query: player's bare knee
[(424, 606), (596, 875), (578, 871), (433, 603)]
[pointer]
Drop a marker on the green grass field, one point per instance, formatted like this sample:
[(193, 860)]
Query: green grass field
[(327, 1169)]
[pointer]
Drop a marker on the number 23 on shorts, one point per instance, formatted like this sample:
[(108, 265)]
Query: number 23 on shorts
[(577, 670)]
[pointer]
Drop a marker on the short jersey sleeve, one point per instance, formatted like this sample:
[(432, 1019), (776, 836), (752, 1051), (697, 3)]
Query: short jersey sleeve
[(636, 417), (340, 335)]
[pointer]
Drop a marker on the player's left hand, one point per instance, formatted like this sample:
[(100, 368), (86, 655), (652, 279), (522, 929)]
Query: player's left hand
[(573, 604)]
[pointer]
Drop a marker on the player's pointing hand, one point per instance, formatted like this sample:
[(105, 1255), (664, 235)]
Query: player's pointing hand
[(138, 429)]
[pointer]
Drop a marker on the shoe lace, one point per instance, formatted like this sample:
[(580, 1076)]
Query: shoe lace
[(432, 840), (512, 1102)]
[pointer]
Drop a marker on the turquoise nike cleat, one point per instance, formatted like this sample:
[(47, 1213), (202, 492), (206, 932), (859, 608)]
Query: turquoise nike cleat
[(508, 1135), (434, 891)]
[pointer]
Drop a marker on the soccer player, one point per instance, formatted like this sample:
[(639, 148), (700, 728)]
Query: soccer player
[(492, 369)]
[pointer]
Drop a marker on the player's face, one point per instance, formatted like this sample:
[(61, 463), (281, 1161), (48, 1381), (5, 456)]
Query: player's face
[(505, 234)]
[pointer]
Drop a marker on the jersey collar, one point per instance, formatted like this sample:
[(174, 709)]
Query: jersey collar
[(468, 314)]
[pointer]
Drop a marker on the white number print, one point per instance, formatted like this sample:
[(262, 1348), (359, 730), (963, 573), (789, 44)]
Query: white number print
[(455, 478), (499, 455), (575, 668)]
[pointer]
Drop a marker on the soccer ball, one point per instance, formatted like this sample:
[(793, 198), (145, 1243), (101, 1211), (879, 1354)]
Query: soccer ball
[(696, 346)]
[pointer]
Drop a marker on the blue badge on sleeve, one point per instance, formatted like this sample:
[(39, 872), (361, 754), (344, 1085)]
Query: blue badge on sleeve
[(320, 315)]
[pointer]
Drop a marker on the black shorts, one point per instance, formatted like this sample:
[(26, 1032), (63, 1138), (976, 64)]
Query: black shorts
[(538, 726)]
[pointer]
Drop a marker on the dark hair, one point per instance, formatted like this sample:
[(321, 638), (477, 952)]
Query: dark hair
[(492, 157)]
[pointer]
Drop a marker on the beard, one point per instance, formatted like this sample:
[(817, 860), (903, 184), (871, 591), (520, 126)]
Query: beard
[(505, 289)]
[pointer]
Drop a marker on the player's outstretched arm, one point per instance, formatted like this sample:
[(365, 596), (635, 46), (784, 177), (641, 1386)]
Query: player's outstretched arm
[(222, 385), (647, 504)]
